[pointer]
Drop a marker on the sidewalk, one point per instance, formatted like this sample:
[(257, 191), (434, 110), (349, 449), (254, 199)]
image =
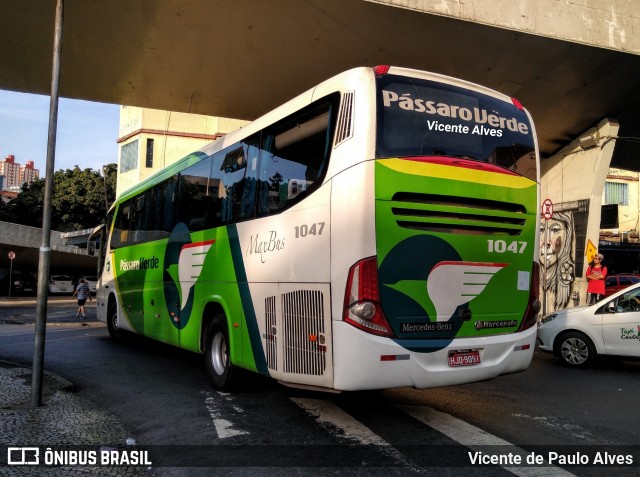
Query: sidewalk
[(65, 418), (60, 309)]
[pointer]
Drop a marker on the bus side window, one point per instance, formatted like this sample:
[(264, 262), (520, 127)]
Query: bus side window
[(167, 206), (103, 243), (217, 192), (234, 167), (296, 153), (193, 201), (149, 219), (137, 224), (154, 218), (121, 227), (240, 184)]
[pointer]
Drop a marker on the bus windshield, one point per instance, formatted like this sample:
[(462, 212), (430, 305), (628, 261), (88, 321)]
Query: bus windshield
[(418, 118)]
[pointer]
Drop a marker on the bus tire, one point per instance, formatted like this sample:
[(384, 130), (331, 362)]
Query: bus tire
[(113, 326), (217, 350)]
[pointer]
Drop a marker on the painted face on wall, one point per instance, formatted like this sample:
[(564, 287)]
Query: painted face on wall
[(555, 237)]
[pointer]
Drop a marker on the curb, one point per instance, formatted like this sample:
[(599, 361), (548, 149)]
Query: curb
[(65, 384)]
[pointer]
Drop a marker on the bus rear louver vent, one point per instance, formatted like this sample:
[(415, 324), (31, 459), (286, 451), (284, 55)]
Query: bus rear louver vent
[(303, 329), (457, 215), (271, 343), (345, 121)]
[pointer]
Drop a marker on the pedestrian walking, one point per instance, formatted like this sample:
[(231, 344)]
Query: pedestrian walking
[(82, 291)]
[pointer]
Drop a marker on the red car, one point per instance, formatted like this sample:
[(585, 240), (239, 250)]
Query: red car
[(615, 283)]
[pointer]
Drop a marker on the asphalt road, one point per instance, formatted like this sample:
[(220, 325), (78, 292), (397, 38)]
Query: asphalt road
[(163, 397)]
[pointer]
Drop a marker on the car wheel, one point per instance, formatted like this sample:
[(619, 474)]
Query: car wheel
[(576, 350), (217, 351)]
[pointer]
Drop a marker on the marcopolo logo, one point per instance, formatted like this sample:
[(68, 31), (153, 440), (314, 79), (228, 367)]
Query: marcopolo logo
[(488, 325)]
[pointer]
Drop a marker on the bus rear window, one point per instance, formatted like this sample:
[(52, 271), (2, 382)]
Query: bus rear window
[(424, 118)]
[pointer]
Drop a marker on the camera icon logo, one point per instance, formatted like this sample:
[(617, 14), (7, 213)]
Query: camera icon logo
[(23, 456)]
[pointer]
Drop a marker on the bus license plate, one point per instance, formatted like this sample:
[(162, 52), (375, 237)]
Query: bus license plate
[(467, 358)]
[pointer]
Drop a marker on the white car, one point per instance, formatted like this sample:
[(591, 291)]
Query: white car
[(92, 282), (60, 284), (610, 327)]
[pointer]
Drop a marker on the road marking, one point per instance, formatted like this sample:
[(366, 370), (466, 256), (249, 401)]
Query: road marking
[(52, 335), (224, 427), (338, 422), (573, 430), (475, 439)]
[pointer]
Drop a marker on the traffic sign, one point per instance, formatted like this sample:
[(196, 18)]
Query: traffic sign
[(547, 209), (12, 255)]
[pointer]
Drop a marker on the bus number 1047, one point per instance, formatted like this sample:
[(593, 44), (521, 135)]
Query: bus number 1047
[(501, 246), (306, 230)]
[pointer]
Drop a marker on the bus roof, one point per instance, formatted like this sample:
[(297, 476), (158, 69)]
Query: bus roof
[(282, 111)]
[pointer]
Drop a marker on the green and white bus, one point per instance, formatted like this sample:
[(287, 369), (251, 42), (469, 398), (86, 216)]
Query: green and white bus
[(379, 230)]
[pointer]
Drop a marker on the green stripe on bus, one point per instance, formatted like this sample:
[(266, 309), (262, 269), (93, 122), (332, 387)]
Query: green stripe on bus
[(247, 302)]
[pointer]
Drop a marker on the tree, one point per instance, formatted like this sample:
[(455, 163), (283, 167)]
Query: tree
[(26, 209), (6, 213), (78, 200), (110, 175)]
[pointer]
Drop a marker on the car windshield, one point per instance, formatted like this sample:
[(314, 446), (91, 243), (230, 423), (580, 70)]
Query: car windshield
[(629, 301)]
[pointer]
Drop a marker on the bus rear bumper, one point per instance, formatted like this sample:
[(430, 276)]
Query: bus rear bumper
[(365, 361)]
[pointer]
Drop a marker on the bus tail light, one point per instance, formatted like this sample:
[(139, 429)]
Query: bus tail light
[(533, 308), (362, 307), (381, 70), (517, 104)]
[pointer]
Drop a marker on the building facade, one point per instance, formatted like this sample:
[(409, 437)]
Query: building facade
[(13, 175), (29, 173), (620, 227), (622, 198), (11, 172), (152, 139)]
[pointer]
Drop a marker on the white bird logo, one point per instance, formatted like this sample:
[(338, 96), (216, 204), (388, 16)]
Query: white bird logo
[(190, 264), (452, 284)]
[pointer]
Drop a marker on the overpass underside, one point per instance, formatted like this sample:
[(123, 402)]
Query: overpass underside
[(25, 243), (571, 63)]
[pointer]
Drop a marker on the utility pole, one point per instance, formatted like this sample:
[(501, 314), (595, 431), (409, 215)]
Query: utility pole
[(104, 182), (45, 248)]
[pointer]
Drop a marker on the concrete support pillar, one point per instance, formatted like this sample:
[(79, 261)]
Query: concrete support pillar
[(574, 180)]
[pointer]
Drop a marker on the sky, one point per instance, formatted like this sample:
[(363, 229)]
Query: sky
[(86, 136)]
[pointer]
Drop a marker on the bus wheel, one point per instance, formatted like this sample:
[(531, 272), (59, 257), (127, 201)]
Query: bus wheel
[(113, 323), (219, 365)]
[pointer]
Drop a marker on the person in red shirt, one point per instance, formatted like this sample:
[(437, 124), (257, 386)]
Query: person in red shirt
[(596, 273)]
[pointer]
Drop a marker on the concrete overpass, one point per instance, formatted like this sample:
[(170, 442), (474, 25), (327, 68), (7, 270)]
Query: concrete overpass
[(25, 242), (570, 63)]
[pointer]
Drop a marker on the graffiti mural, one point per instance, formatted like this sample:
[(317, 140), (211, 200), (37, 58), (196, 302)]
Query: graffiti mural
[(561, 253), (557, 259)]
